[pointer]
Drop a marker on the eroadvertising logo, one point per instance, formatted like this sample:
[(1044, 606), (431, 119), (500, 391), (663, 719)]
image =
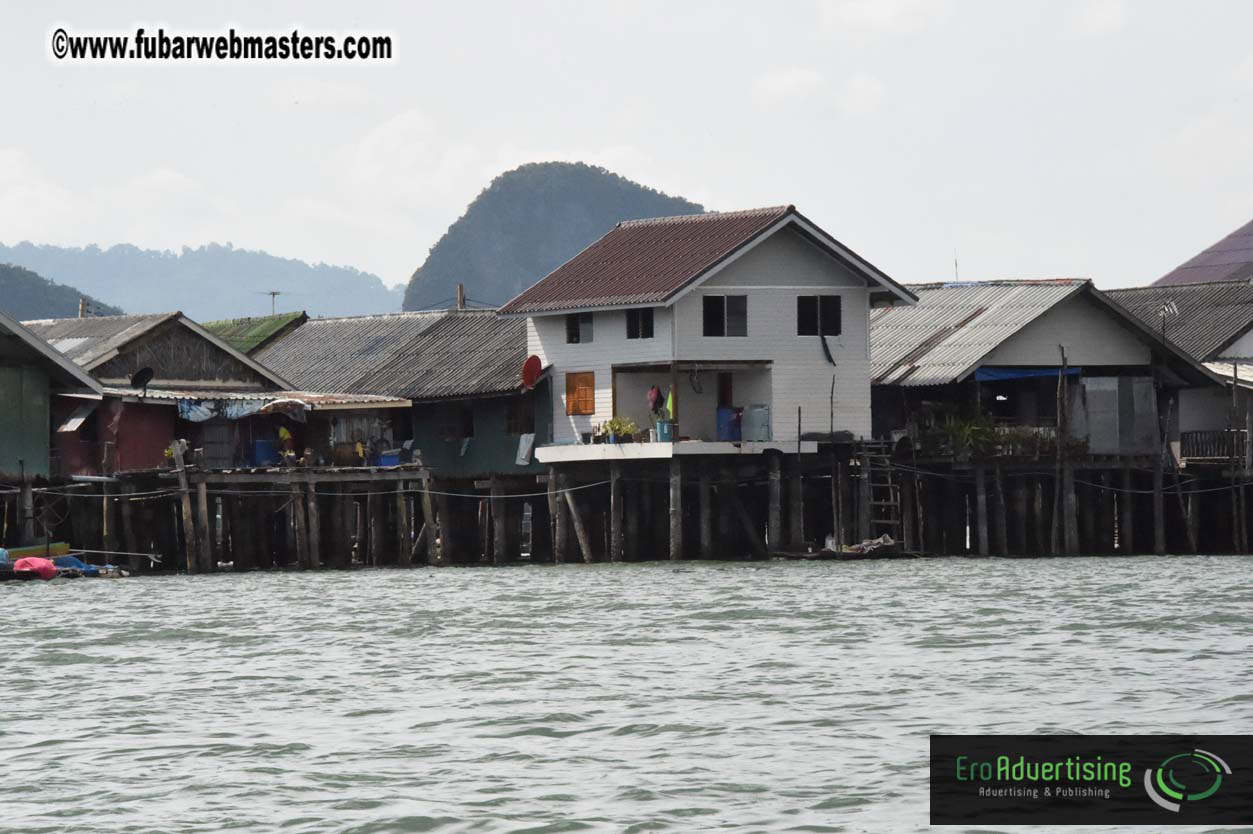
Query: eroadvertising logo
[(1084, 780)]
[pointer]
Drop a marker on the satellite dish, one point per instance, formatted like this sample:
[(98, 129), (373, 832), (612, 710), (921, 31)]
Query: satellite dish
[(531, 369), (141, 379)]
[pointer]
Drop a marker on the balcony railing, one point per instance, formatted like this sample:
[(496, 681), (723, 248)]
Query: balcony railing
[(1219, 444)]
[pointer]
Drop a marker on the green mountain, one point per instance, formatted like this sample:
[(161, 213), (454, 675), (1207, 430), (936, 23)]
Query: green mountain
[(25, 295), (525, 224), (210, 282)]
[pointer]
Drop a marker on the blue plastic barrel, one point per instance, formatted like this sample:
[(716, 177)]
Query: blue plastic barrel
[(729, 424), (264, 453)]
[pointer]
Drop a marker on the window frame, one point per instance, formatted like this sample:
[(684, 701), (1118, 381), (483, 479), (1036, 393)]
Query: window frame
[(576, 404)]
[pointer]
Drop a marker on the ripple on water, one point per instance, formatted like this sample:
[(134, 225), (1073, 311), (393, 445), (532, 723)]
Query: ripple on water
[(705, 696)]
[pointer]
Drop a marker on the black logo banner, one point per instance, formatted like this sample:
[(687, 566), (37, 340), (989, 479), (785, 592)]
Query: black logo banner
[(1085, 780)]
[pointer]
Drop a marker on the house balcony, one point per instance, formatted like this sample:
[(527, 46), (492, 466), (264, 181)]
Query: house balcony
[(1215, 446)]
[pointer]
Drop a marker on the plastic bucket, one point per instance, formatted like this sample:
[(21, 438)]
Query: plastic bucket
[(665, 431)]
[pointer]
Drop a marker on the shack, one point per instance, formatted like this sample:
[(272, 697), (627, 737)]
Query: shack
[(472, 419), (31, 372), (994, 393)]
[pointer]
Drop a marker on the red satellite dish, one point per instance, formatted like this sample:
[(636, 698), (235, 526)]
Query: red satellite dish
[(530, 371)]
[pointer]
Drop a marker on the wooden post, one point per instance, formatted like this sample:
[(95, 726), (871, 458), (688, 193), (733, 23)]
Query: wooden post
[(1022, 519), (314, 526), (676, 508), (774, 522), (432, 527), (616, 550), (204, 531), (865, 494), (404, 526), (981, 508), (753, 535), (27, 504), (137, 563), (1159, 503), (837, 488), (1043, 523), (448, 549), (561, 516), (189, 525), (374, 520), (580, 531), (796, 504), (296, 510), (500, 524), (909, 518), (841, 497), (707, 512), (1000, 529), (1126, 517), (1071, 537)]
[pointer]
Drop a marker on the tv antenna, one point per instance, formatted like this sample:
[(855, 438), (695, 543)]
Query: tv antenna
[(273, 294)]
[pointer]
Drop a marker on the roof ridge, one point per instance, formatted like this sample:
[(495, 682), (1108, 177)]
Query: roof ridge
[(765, 211), (1163, 287), (100, 318)]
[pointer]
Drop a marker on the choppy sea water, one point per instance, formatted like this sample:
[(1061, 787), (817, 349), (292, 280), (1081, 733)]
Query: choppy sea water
[(652, 697)]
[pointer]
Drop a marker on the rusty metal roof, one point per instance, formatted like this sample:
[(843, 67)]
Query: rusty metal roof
[(444, 354), (641, 262), (944, 336), (1230, 259), (1200, 318)]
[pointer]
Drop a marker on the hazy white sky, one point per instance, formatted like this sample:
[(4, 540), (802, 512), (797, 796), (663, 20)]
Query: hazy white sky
[(1102, 138)]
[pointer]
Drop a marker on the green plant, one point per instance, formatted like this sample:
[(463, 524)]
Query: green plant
[(620, 426)]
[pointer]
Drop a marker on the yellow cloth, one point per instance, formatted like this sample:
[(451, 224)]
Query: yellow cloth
[(283, 433), (670, 404)]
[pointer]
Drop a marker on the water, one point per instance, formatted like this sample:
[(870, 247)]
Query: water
[(657, 697)]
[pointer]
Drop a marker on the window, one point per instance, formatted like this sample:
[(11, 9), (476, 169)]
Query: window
[(581, 393), (520, 415), (578, 328), (640, 323), (456, 423), (725, 396), (818, 315), (726, 315)]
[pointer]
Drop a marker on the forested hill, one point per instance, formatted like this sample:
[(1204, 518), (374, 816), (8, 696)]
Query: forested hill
[(525, 224), (25, 295), (211, 282)]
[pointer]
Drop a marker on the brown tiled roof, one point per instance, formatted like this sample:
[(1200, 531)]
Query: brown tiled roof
[(649, 261), (1231, 259)]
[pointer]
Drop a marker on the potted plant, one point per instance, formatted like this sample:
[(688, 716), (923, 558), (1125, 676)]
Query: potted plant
[(620, 429)]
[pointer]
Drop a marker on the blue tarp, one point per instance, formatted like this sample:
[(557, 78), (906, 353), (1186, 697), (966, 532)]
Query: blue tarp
[(1001, 374)]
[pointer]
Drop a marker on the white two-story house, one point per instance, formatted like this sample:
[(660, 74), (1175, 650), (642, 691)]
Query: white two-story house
[(757, 321)]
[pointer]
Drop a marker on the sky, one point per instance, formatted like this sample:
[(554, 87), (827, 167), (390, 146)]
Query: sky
[(1098, 138)]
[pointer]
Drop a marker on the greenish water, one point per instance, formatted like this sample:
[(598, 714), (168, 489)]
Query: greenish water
[(655, 697)]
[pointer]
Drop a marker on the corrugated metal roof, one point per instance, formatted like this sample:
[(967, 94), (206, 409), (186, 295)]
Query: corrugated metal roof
[(1200, 318), (314, 399), (249, 334), (59, 365), (86, 340), (642, 262), (953, 326), (440, 354), (1230, 259)]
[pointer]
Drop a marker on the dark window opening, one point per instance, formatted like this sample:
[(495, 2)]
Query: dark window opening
[(640, 323), (726, 315), (578, 328), (818, 315), (520, 415)]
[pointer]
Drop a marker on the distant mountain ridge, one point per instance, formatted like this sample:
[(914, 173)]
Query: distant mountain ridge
[(26, 295), (215, 281), (525, 224)]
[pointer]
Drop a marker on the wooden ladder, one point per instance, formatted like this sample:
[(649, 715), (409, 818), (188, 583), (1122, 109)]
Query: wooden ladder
[(882, 492)]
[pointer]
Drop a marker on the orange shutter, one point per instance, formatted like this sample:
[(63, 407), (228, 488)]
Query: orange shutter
[(581, 393)]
